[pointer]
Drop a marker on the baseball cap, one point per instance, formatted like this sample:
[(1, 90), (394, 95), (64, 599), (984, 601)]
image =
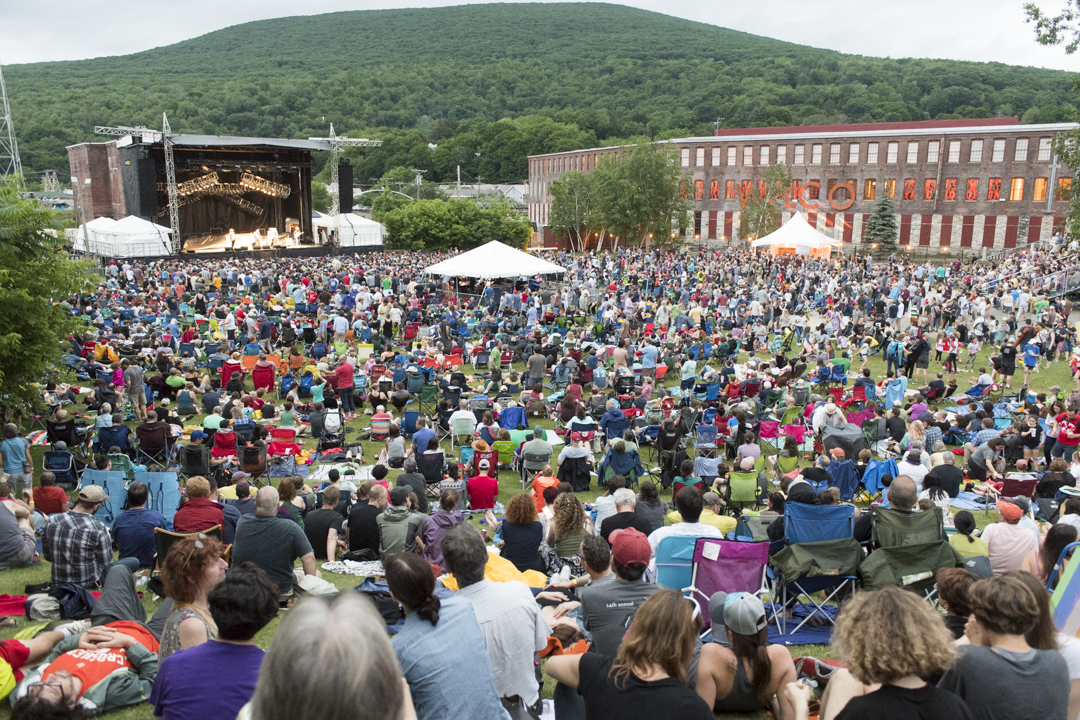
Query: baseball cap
[(484, 464), (1009, 511), (198, 435), (399, 495), (630, 546), (239, 475), (92, 494), (742, 612), (576, 436), (710, 498)]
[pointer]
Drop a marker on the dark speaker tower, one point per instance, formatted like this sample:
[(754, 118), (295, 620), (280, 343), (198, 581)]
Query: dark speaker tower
[(345, 187), (138, 174)]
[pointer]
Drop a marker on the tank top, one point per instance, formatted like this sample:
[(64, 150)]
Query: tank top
[(741, 699), (170, 636)]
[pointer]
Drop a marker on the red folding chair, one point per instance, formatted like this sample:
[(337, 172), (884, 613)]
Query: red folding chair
[(224, 444), (859, 393), (263, 377), (837, 394), (228, 369)]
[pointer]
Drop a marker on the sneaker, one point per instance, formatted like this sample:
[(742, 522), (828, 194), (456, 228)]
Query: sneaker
[(76, 627)]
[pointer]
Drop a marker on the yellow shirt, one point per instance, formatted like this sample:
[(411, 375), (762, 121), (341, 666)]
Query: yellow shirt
[(723, 523), (969, 549)]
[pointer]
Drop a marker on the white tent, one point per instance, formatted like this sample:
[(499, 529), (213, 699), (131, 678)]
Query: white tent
[(355, 230), (796, 237), (92, 228), (130, 237), (494, 260)]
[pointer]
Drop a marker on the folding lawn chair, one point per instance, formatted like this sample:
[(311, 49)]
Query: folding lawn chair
[(912, 567), (727, 566), (892, 528)]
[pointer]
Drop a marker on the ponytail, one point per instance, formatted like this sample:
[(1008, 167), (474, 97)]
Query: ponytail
[(429, 610), (752, 648)]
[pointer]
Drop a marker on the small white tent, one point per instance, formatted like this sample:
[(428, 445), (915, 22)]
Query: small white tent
[(356, 231), (131, 237), (494, 260), (796, 237), (92, 228)]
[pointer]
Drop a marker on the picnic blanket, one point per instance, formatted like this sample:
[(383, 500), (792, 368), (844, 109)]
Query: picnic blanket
[(968, 501), (321, 473), (38, 438), (352, 567)]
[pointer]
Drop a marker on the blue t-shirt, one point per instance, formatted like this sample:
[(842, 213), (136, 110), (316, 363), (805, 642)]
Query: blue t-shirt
[(422, 436), (1031, 354), (133, 531), (14, 455), (648, 356), (181, 690)]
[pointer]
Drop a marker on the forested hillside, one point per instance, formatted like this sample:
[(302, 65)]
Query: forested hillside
[(491, 84)]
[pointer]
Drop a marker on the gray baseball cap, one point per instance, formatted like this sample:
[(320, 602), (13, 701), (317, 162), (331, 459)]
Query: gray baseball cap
[(742, 612)]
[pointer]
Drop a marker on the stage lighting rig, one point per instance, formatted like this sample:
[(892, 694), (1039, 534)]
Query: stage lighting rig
[(267, 187)]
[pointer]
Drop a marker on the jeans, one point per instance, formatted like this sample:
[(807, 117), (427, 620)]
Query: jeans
[(348, 405)]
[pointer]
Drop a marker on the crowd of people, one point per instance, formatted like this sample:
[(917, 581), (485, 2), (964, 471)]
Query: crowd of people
[(660, 374)]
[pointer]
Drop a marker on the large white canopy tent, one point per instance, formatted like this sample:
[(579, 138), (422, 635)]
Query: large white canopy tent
[(130, 237), (356, 231), (796, 237), (494, 260), (91, 228)]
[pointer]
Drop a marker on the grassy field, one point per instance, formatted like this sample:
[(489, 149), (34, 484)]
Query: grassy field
[(13, 581)]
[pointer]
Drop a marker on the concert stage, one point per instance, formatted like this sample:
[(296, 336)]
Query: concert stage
[(241, 242)]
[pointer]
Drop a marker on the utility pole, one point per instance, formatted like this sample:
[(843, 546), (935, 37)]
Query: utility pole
[(9, 148), (49, 181), (419, 180), (458, 181), (718, 123)]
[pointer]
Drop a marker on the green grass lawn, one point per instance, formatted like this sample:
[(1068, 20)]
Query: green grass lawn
[(14, 581)]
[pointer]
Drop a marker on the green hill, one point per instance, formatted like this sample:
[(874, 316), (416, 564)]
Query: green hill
[(504, 81)]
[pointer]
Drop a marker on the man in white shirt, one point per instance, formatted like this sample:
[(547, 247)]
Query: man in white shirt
[(912, 466), (689, 503), (463, 411)]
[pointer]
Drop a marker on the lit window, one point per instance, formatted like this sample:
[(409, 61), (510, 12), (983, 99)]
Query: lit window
[(871, 153), (932, 149), (1041, 184), (800, 154), (954, 151), (699, 189), (699, 158), (1016, 189), (929, 189), (716, 157), (976, 151), (993, 191), (870, 190), (972, 189), (909, 188), (748, 155), (950, 189), (813, 188), (1064, 189), (763, 155), (815, 155), (714, 190), (834, 154), (731, 151), (912, 153), (999, 151), (685, 157), (1020, 151), (781, 154), (893, 153), (1045, 149), (890, 189), (730, 190), (853, 154)]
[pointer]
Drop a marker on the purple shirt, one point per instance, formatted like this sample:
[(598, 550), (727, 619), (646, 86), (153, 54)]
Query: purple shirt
[(188, 684)]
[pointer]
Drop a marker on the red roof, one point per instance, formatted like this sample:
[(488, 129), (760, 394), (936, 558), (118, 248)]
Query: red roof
[(857, 127)]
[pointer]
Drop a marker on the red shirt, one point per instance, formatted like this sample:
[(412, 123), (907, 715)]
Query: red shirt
[(93, 666), (344, 376), (1067, 426), (198, 514), (49, 500), (482, 492)]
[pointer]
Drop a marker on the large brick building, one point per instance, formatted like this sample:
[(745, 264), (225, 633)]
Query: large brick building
[(986, 183)]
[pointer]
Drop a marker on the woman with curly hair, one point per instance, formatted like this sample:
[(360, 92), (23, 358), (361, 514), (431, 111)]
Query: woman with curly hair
[(890, 639), (565, 533), (522, 534), (192, 568), (647, 678)]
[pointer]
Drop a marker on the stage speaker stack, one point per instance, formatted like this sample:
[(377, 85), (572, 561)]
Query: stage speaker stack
[(345, 187)]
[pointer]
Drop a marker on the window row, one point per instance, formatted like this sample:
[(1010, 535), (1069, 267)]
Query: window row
[(910, 189), (914, 151)]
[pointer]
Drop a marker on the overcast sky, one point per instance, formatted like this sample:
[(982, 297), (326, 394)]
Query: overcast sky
[(984, 30)]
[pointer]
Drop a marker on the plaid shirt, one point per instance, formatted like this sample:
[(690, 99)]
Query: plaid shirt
[(78, 546), (984, 436), (933, 434)]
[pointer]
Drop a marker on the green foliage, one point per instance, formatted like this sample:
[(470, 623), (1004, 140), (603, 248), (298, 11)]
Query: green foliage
[(882, 228), (445, 224), (35, 277), (641, 193), (1061, 28), (501, 80), (761, 215), (385, 202), (575, 209), (320, 197)]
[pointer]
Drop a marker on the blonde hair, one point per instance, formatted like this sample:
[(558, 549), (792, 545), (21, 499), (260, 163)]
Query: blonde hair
[(891, 633), (663, 633), (917, 432), (198, 487)]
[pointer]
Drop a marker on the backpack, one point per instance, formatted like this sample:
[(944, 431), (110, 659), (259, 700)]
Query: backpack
[(76, 603)]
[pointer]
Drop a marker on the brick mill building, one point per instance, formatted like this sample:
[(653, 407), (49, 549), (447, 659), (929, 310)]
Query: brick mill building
[(975, 183)]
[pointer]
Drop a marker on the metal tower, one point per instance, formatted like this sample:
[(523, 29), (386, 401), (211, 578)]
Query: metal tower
[(340, 142), (49, 181), (9, 149)]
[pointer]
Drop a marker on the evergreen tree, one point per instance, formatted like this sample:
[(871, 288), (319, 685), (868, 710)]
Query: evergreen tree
[(882, 228)]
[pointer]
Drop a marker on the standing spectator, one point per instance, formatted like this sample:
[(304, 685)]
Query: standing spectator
[(241, 605), (440, 647), (18, 464), (510, 620), (133, 529), (344, 384), (135, 386)]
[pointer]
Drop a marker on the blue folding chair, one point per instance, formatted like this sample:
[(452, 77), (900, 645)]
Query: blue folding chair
[(114, 484), (706, 439), (109, 437), (513, 418), (875, 470), (60, 463), (164, 492), (842, 475), (408, 422), (675, 562)]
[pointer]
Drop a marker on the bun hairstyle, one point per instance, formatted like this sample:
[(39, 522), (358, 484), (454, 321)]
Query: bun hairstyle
[(412, 584)]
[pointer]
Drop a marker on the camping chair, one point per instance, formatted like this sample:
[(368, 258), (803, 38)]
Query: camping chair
[(705, 444), (263, 377), (912, 567), (114, 484), (790, 415), (164, 492), (786, 466), (165, 539), (228, 369), (431, 465), (194, 460), (461, 427), (675, 562), (153, 447), (60, 463), (224, 444), (875, 470), (513, 418), (1016, 485), (110, 437), (628, 464), (253, 461), (743, 489), (505, 450), (726, 566), (122, 463), (616, 429), (892, 528), (532, 463), (843, 476), (408, 423), (575, 471)]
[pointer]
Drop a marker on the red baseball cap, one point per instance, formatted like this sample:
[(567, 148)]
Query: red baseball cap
[(630, 546)]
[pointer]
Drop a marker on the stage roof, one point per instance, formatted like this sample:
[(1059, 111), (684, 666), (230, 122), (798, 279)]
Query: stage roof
[(234, 141), (494, 260)]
